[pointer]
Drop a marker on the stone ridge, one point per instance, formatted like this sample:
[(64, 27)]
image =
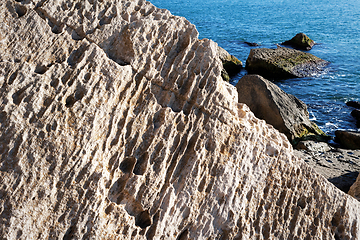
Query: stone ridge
[(116, 124)]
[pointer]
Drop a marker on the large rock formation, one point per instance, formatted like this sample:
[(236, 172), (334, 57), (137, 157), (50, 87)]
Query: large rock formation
[(282, 63), (284, 111), (116, 124)]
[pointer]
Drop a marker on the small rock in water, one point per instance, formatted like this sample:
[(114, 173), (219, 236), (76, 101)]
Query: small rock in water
[(252, 44), (354, 104), (300, 41)]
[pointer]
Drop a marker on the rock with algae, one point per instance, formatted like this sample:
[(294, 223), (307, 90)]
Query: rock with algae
[(116, 124), (282, 63)]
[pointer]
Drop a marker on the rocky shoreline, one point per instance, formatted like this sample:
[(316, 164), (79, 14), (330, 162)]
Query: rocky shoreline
[(340, 165), (116, 123)]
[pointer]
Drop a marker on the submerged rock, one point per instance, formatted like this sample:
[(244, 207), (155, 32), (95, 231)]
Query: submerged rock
[(231, 65), (116, 124), (300, 41), (282, 63), (285, 112), (350, 140), (252, 44)]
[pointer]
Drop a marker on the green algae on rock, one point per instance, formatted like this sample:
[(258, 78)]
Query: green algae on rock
[(282, 63), (231, 65), (300, 41)]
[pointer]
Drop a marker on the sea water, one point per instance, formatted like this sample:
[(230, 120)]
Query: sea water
[(333, 24)]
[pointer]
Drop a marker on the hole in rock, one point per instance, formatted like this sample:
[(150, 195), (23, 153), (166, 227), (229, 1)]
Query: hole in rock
[(183, 235), (57, 29), (20, 10), (128, 164), (41, 69), (77, 36), (12, 77), (143, 219), (105, 20)]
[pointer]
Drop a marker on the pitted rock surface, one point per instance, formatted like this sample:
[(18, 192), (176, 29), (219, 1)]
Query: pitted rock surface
[(116, 124)]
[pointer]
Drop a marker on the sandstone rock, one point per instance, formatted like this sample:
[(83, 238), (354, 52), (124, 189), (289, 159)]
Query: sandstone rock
[(339, 166), (300, 41), (313, 146), (116, 124), (354, 104), (283, 63), (285, 112), (355, 189), (350, 140), (231, 64)]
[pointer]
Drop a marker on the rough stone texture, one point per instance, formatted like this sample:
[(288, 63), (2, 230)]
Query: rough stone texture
[(350, 140), (300, 41), (313, 146), (355, 189), (340, 166), (284, 111), (282, 63), (116, 124)]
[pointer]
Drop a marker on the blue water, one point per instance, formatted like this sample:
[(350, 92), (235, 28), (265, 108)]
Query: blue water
[(333, 24)]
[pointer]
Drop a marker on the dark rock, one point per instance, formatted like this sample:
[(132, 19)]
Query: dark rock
[(300, 41), (350, 140), (354, 104), (356, 114), (282, 63), (231, 65), (284, 111), (252, 44)]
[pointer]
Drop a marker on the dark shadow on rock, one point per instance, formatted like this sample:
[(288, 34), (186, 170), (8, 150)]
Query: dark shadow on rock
[(344, 182)]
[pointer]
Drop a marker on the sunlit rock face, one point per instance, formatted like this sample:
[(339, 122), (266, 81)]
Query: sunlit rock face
[(116, 124)]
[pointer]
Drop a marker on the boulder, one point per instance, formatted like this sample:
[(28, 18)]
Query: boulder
[(350, 140), (282, 63), (356, 114), (300, 41), (231, 65), (354, 104), (355, 189), (115, 123), (285, 112)]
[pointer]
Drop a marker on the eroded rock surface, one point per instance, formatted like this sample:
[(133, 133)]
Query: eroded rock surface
[(116, 124), (282, 63)]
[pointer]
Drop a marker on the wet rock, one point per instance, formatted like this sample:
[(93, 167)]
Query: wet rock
[(252, 44), (285, 112), (231, 65), (282, 63), (300, 42), (354, 104), (350, 140), (356, 114)]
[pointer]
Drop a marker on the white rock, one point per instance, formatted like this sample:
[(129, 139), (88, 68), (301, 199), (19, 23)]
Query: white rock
[(116, 124)]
